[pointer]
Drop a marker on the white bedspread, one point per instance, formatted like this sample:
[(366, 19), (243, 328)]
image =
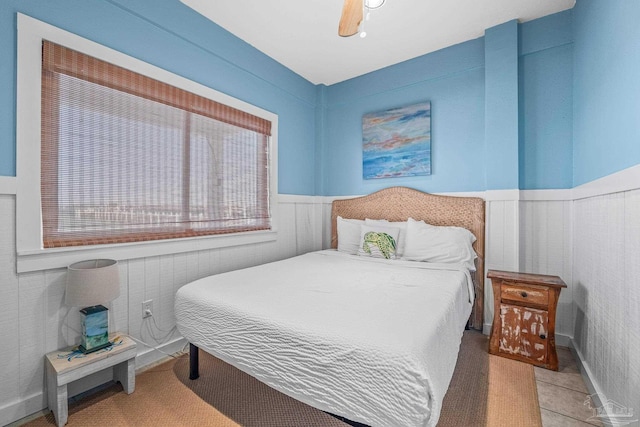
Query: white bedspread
[(375, 341)]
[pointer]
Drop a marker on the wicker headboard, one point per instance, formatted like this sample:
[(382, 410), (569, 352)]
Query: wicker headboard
[(400, 203)]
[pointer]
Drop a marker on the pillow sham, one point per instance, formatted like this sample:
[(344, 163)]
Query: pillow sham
[(402, 225), (378, 242), (426, 242), (349, 235)]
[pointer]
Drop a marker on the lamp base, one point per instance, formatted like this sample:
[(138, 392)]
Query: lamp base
[(85, 351), (95, 328)]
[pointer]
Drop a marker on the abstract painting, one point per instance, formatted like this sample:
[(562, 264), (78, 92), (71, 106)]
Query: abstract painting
[(397, 142)]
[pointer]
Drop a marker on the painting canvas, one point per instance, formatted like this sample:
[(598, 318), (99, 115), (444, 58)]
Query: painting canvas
[(397, 142)]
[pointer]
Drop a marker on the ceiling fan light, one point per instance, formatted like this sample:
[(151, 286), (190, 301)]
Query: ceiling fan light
[(373, 4)]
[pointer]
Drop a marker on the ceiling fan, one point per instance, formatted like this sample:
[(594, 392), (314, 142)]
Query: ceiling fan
[(352, 13)]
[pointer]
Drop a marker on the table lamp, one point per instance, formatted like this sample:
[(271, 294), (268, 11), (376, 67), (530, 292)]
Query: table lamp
[(91, 284)]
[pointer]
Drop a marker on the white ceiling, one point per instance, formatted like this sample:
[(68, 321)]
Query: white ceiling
[(303, 34)]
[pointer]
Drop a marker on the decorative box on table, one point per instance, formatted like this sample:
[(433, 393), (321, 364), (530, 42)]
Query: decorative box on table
[(95, 328)]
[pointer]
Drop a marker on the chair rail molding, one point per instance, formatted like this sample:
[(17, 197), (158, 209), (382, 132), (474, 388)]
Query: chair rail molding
[(8, 185)]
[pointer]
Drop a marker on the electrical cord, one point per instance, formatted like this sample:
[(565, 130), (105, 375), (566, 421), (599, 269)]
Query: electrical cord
[(158, 340), (167, 333), (157, 349)]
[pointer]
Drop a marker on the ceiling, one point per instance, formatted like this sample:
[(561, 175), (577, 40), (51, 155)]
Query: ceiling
[(303, 34)]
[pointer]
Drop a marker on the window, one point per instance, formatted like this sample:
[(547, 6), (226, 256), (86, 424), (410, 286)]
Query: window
[(112, 150), (128, 158)]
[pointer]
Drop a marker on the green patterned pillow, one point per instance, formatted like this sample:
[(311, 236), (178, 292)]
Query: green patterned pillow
[(378, 242)]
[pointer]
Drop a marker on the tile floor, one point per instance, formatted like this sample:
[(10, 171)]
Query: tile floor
[(564, 398)]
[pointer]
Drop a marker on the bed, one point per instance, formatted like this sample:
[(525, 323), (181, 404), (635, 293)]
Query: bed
[(369, 339)]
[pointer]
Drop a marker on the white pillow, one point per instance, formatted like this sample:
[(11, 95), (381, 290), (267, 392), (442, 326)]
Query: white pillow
[(402, 225), (378, 242), (349, 235), (430, 243)]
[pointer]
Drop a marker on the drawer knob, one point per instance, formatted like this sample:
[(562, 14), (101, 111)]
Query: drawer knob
[(543, 336), (524, 294)]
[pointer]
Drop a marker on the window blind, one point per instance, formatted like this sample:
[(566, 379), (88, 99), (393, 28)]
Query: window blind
[(126, 158)]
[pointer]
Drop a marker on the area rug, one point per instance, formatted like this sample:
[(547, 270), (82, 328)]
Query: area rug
[(488, 390), (485, 391)]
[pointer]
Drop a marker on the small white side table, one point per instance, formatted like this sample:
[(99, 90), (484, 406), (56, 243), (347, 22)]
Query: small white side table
[(62, 370)]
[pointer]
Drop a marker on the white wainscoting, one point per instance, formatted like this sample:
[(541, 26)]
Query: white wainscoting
[(8, 184), (606, 273), (501, 242), (34, 319), (546, 247), (589, 236), (530, 231)]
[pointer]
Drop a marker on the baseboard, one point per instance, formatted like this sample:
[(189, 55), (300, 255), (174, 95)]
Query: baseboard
[(148, 356), (22, 408), (38, 402), (597, 395), (486, 329), (601, 404), (563, 340)]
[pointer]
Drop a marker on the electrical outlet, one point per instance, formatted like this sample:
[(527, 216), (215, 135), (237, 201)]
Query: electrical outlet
[(147, 308)]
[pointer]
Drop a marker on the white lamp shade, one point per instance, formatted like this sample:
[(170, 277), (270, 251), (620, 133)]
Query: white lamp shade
[(92, 282)]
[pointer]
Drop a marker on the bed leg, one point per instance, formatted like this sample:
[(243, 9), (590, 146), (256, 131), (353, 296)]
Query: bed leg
[(194, 369)]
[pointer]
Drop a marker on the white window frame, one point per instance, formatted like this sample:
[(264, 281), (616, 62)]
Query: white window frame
[(31, 256)]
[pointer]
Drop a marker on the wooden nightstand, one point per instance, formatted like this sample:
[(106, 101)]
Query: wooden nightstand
[(67, 365), (524, 317)]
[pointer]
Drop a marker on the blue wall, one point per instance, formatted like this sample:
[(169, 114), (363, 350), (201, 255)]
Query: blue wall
[(546, 103), (606, 103), (172, 36), (452, 79), (501, 113), (573, 104), (501, 106)]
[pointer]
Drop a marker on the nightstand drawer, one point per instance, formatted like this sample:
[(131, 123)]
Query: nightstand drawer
[(525, 294)]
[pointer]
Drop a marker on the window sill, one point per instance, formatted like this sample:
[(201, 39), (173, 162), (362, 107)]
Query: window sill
[(46, 259)]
